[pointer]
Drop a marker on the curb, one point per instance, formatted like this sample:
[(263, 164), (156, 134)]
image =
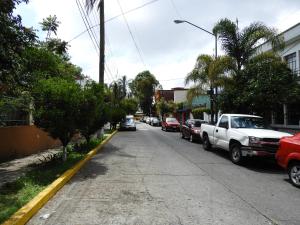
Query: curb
[(31, 208)]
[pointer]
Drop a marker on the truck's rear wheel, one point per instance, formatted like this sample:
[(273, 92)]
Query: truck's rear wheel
[(236, 153), (294, 173), (205, 142)]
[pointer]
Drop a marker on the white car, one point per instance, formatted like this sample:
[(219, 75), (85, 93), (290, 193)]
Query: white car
[(242, 135)]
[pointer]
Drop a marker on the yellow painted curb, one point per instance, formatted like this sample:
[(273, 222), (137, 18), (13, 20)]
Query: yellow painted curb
[(32, 207)]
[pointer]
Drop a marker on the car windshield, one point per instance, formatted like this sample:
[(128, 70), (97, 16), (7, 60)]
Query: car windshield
[(171, 120), (197, 124), (129, 120), (247, 122)]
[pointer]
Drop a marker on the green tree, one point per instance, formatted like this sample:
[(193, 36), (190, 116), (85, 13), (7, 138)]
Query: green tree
[(268, 84), (164, 107), (50, 24), (242, 44), (129, 105), (208, 75), (14, 39), (92, 113), (143, 88), (57, 103)]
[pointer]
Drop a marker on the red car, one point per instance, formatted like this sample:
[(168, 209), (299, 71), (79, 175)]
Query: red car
[(288, 157), (191, 129), (170, 123)]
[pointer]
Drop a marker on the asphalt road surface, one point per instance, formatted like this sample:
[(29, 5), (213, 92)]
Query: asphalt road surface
[(155, 177)]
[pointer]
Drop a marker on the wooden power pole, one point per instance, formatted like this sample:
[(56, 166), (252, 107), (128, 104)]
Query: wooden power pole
[(102, 43)]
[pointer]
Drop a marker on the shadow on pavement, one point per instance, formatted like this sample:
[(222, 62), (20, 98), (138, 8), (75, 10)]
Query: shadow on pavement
[(261, 165)]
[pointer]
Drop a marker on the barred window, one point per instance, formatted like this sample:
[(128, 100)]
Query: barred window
[(291, 61)]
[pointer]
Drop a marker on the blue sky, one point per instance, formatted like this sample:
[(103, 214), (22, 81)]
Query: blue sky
[(168, 50)]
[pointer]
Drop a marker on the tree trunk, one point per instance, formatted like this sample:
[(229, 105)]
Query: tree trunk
[(65, 153)]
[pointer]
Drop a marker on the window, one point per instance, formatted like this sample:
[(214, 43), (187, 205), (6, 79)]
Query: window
[(224, 122), (291, 61)]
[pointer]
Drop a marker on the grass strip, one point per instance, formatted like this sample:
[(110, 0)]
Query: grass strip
[(15, 195)]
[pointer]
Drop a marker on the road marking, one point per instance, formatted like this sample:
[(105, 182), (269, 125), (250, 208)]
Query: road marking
[(143, 129)]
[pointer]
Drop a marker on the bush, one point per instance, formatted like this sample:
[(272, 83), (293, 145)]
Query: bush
[(198, 112)]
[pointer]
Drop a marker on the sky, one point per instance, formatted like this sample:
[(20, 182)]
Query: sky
[(147, 38)]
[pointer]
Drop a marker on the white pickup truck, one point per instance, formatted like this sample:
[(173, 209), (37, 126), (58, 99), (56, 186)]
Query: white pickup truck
[(242, 135)]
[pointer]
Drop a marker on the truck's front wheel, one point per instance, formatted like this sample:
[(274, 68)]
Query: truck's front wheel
[(236, 153), (206, 143)]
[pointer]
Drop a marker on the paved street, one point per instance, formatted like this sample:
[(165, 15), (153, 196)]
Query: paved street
[(155, 177)]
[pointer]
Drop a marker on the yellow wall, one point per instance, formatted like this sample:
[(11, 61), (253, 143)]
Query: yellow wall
[(21, 141)]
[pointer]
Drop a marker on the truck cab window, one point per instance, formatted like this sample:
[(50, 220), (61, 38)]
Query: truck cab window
[(224, 122)]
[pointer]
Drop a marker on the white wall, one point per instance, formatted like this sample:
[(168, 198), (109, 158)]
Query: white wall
[(180, 96)]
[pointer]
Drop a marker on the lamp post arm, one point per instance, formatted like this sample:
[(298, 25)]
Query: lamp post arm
[(199, 28)]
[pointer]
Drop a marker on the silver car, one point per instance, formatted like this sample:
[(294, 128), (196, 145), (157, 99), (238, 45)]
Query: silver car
[(128, 124)]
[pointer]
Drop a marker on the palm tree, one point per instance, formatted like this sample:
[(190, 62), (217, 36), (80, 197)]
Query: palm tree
[(242, 44), (50, 24), (208, 75)]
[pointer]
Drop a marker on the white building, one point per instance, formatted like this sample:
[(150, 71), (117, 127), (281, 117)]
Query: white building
[(289, 117), (180, 94)]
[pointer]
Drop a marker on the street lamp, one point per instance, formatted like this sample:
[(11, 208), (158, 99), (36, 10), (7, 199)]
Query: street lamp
[(216, 55)]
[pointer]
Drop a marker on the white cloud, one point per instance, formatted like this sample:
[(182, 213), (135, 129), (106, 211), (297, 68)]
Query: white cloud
[(169, 50)]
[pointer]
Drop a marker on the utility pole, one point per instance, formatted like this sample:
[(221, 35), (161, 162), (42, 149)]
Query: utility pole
[(102, 43)]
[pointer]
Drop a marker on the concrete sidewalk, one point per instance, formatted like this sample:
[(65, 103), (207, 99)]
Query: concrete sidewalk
[(12, 170)]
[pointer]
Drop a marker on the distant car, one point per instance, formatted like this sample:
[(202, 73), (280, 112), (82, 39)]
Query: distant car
[(148, 119), (154, 121), (191, 129), (128, 124), (170, 123), (288, 157)]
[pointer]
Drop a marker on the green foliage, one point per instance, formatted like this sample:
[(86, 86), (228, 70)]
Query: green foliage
[(91, 111), (14, 38), (163, 107), (143, 88), (198, 112), (130, 105), (116, 116), (57, 103), (50, 24), (265, 83), (241, 44), (18, 193)]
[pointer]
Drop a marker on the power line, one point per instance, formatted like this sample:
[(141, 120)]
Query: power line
[(82, 17), (132, 37), (175, 8), (87, 19), (131, 10), (114, 17), (90, 31)]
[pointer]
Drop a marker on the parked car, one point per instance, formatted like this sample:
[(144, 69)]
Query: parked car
[(170, 123), (191, 129), (242, 135), (128, 124), (148, 119), (288, 157), (154, 121)]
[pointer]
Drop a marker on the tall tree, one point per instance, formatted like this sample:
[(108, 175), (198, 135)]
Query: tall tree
[(14, 39), (242, 44), (208, 75), (50, 24), (90, 4), (267, 84), (143, 88), (56, 108)]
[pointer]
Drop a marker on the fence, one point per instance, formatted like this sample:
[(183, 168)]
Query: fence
[(14, 111)]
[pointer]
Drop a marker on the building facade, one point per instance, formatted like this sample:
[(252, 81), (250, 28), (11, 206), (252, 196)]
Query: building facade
[(288, 117)]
